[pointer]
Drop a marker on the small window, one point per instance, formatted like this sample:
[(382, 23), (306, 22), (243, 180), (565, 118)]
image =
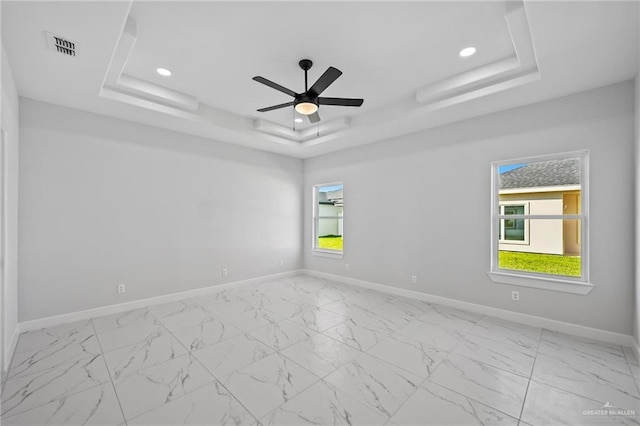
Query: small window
[(539, 218), (514, 231), (328, 220)]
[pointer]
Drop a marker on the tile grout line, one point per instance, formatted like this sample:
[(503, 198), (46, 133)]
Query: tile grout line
[(104, 359), (533, 366), (215, 378), (624, 353)]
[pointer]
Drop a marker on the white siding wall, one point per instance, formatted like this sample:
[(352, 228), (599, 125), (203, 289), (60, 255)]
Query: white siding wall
[(329, 227), (544, 236)]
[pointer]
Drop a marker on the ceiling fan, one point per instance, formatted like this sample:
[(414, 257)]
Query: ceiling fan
[(308, 102)]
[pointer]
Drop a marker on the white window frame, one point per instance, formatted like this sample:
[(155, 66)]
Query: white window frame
[(526, 223), (315, 250), (576, 285)]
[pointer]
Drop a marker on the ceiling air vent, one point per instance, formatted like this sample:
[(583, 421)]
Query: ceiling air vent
[(62, 45)]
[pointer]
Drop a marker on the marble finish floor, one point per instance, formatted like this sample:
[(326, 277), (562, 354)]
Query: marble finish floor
[(304, 350)]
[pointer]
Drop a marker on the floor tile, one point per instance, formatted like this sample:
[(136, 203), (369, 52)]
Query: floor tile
[(171, 308), (282, 334), (511, 357), (229, 355), (404, 307), (380, 385), (489, 385), (122, 319), (579, 376), (380, 319), (47, 357), (208, 405), (268, 383), (95, 406), (323, 404), (277, 344), (318, 319), (361, 337), (546, 405), (152, 387), (126, 361), (255, 319), (192, 316), (132, 335), (583, 350), (508, 332), (433, 404), (222, 296), (409, 354), (30, 391), (320, 354), (57, 335), (209, 332), (287, 309), (452, 318), (439, 336), (234, 307)]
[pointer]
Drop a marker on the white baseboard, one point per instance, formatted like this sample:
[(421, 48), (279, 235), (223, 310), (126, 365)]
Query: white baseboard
[(526, 319), (157, 300), (11, 349), (636, 350), (532, 320)]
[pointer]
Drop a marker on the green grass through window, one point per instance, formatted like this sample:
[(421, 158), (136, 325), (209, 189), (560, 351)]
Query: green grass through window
[(542, 263), (330, 242)]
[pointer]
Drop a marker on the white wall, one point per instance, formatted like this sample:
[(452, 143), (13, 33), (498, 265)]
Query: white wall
[(636, 322), (105, 201), (9, 308), (441, 181)]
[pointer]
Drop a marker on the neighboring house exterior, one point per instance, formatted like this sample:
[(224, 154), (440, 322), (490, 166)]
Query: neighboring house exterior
[(546, 187), (330, 204)]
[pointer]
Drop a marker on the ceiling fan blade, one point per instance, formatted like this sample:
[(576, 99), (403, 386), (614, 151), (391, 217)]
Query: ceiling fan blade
[(341, 101), (271, 108), (273, 85), (314, 118), (329, 76)]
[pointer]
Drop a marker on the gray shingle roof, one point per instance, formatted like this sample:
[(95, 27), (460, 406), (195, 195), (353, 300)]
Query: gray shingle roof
[(330, 197), (543, 173)]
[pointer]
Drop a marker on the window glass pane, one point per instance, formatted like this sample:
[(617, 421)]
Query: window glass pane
[(539, 174), (329, 233), (553, 247), (329, 213), (329, 199)]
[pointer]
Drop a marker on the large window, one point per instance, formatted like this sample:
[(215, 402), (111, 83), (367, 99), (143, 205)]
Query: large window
[(328, 202), (539, 221)]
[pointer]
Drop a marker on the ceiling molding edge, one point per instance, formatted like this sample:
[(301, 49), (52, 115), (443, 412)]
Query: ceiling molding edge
[(514, 71)]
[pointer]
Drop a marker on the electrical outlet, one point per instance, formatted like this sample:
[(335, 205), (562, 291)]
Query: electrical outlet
[(225, 272), (414, 279), (515, 296), (121, 288), (346, 267)]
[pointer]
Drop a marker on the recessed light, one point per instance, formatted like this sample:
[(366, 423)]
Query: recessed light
[(467, 51), (163, 72), (298, 120)]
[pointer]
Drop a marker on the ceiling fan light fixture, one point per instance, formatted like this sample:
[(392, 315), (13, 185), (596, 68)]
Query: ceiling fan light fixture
[(306, 108)]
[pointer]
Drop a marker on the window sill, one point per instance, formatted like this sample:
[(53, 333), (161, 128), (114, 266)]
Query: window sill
[(327, 253), (554, 284)]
